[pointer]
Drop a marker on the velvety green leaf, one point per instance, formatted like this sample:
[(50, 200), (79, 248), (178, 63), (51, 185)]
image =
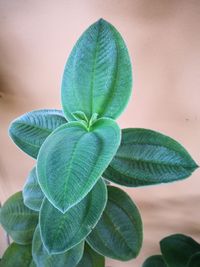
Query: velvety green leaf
[(97, 77), (17, 256), (91, 258), (118, 234), (147, 157), (43, 259), (32, 193), (73, 158), (18, 220), (60, 232), (194, 260), (31, 129), (154, 261), (177, 249)]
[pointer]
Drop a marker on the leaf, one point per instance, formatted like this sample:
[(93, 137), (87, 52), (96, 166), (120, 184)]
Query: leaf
[(177, 249), (60, 232), (97, 76), (32, 193), (42, 258), (17, 256), (154, 261), (91, 258), (147, 157), (194, 260), (73, 158), (118, 234), (30, 130), (18, 220)]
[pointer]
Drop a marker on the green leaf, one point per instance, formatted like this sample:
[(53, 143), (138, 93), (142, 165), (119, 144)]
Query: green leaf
[(147, 157), (60, 232), (194, 260), (32, 193), (43, 259), (118, 234), (177, 249), (18, 220), (91, 258), (97, 77), (31, 129), (73, 158), (17, 256), (154, 261)]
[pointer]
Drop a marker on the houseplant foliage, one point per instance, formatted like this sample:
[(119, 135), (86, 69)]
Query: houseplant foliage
[(77, 217), (177, 250)]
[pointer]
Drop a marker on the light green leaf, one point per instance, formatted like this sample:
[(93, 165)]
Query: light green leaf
[(194, 260), (43, 259), (32, 193), (60, 232), (147, 157), (177, 249), (118, 234), (31, 129), (154, 261), (97, 77), (18, 220), (91, 258), (73, 158), (17, 256)]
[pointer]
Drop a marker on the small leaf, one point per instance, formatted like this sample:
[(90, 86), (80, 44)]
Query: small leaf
[(60, 232), (43, 259), (194, 260), (154, 261), (17, 256), (31, 129), (32, 193), (73, 158), (18, 220), (147, 157), (79, 115), (91, 258), (97, 77), (118, 234), (177, 249)]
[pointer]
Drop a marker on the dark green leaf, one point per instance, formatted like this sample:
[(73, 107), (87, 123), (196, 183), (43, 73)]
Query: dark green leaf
[(73, 158), (17, 256), (43, 259), (154, 261), (91, 258), (118, 234), (97, 77), (194, 260), (18, 220), (60, 232), (177, 249), (32, 193), (147, 157), (31, 129)]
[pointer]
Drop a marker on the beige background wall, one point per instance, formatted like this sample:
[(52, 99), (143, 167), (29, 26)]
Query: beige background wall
[(163, 38)]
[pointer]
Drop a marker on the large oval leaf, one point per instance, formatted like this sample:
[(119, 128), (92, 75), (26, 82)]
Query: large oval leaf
[(18, 220), (118, 234), (154, 261), (32, 193), (73, 158), (17, 256), (194, 260), (91, 258), (147, 157), (177, 249), (43, 259), (31, 129), (97, 77), (60, 232)]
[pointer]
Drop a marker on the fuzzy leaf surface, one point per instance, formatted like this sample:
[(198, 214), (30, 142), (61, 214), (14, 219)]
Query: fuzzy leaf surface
[(30, 130), (118, 234), (146, 157), (154, 261)]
